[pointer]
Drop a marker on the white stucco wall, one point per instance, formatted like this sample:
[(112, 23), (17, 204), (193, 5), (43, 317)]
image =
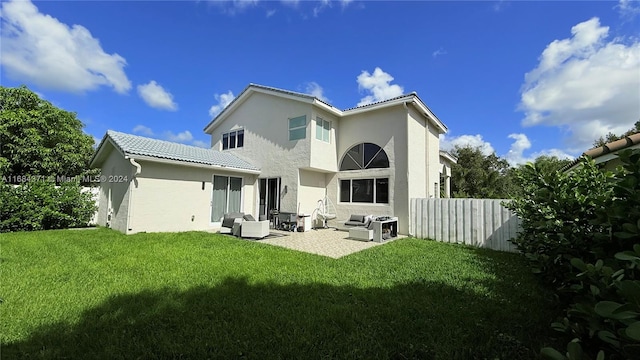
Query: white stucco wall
[(265, 119), (423, 156), (312, 188), (168, 197), (418, 181), (323, 155), (387, 129), (433, 153), (114, 169)]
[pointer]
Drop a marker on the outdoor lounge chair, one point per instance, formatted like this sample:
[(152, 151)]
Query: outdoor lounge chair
[(251, 228)]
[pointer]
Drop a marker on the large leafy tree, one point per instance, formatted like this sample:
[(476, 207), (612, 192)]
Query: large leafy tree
[(37, 138), (480, 176), (549, 164)]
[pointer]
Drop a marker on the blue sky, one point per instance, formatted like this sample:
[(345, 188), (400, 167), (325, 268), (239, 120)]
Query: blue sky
[(518, 78)]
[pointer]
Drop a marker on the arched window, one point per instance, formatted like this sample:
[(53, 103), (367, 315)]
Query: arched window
[(364, 156)]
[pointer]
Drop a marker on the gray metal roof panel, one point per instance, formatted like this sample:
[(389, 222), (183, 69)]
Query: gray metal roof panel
[(139, 145)]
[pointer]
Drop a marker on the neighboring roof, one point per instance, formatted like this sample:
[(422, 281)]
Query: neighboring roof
[(610, 149), (448, 156), (139, 146), (413, 97)]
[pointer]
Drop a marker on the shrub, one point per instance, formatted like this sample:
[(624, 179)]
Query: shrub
[(589, 249), (557, 210), (41, 205)]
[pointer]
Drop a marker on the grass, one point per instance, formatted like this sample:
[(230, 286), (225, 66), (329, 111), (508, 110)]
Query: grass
[(100, 294)]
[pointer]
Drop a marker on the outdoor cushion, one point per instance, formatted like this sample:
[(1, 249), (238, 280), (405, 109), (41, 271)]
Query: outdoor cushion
[(227, 220), (358, 220), (249, 217)]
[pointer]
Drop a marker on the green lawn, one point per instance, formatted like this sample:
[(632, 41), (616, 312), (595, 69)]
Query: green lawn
[(99, 294)]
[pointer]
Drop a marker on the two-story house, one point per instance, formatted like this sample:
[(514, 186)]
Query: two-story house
[(273, 149)]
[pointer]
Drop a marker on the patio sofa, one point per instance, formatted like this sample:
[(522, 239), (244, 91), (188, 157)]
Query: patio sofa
[(251, 228), (359, 227)]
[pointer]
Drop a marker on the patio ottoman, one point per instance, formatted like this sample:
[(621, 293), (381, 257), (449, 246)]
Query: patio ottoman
[(360, 233)]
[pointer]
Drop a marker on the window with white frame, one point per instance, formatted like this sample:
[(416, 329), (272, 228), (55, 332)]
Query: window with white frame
[(374, 191), (323, 129), (364, 156), (298, 128), (233, 139)]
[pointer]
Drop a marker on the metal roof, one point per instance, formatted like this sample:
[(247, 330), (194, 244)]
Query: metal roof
[(160, 149), (411, 94)]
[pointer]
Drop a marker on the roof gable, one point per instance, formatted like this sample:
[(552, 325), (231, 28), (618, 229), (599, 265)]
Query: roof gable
[(255, 88), (138, 146), (411, 98)]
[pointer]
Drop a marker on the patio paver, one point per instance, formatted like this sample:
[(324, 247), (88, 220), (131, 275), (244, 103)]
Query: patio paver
[(326, 242)]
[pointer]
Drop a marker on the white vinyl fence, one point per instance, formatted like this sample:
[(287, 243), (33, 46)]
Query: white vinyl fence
[(479, 222)]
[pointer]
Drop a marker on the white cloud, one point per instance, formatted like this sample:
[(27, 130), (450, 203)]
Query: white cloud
[(233, 7), (439, 52), (322, 4), (223, 101), (200, 143), (345, 3), (156, 96), (314, 89), (378, 84), (500, 5), (270, 13), (516, 151), (628, 9), (143, 130), (585, 85), (474, 141), (39, 48), (182, 137)]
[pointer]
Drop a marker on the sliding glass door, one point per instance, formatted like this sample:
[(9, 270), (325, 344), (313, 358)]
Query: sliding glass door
[(269, 192), (226, 197)]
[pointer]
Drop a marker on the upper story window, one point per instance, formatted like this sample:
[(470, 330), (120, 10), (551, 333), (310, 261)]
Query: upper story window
[(233, 139), (364, 156), (323, 129), (298, 127)]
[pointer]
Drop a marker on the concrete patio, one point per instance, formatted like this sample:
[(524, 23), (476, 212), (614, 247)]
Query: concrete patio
[(326, 242)]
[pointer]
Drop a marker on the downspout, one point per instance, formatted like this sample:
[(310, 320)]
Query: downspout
[(130, 206), (138, 166)]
